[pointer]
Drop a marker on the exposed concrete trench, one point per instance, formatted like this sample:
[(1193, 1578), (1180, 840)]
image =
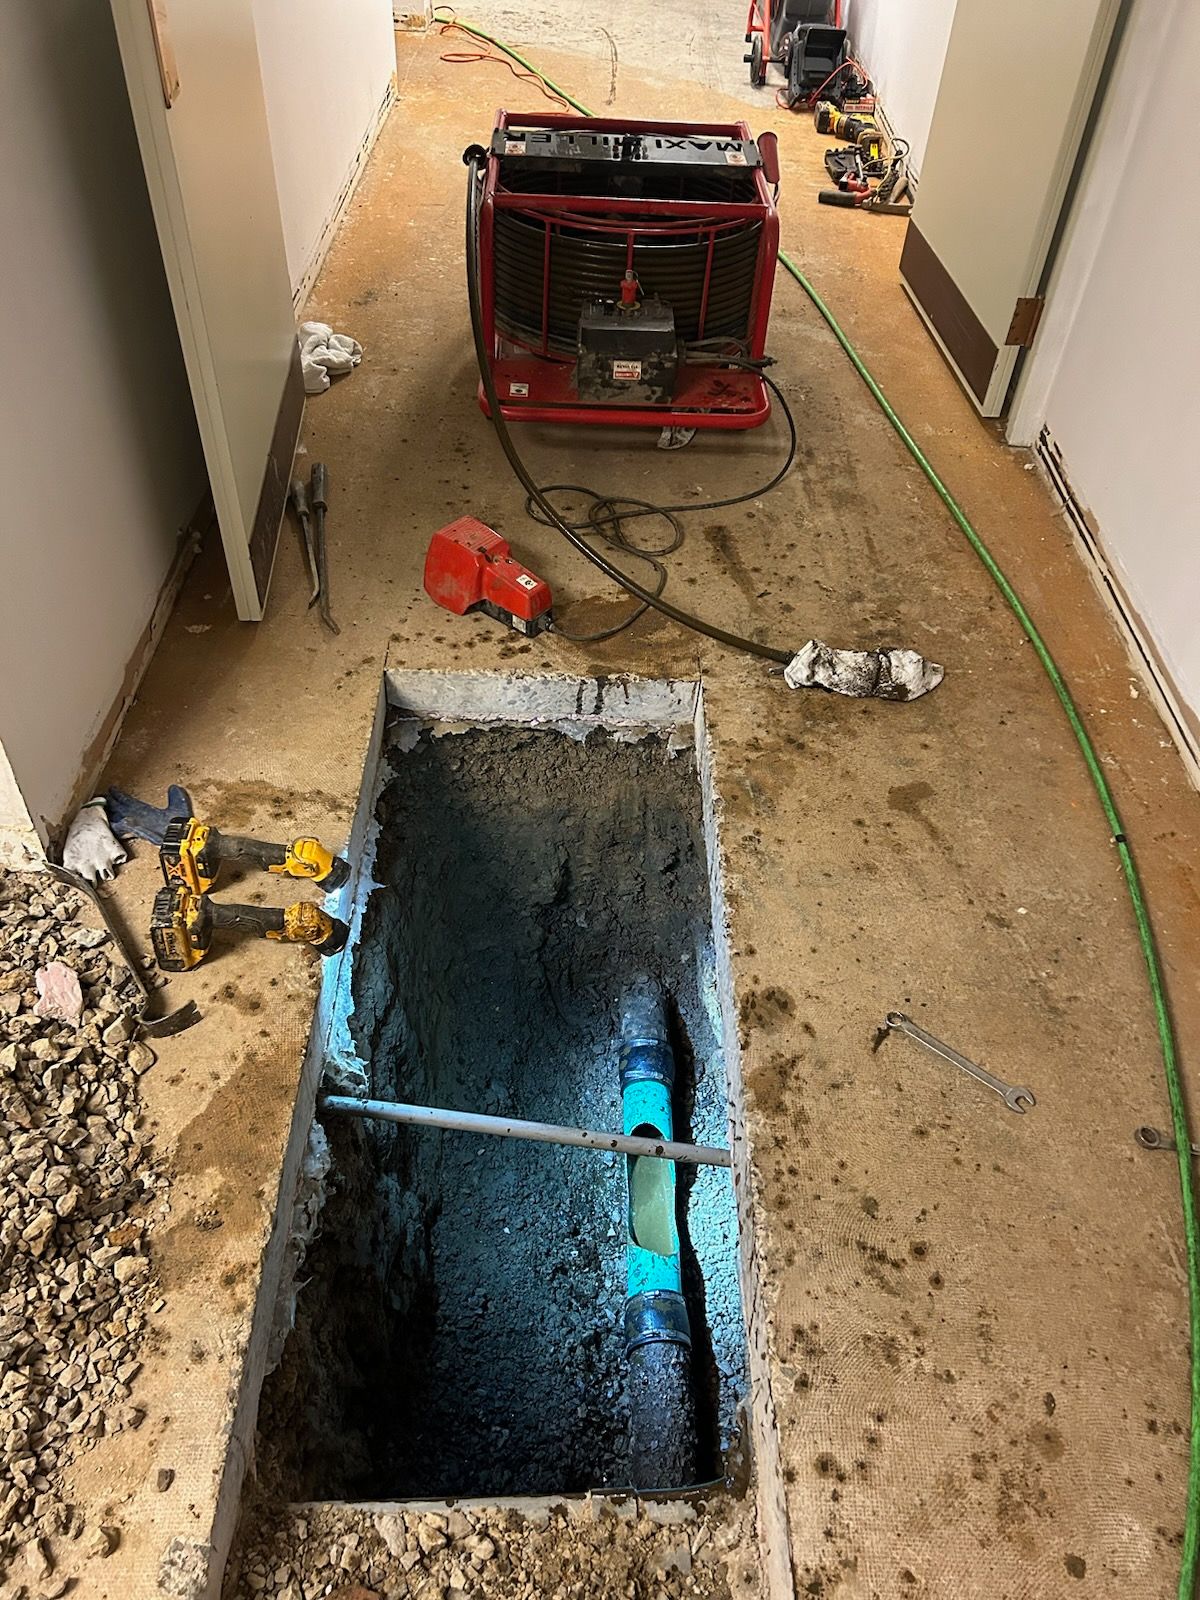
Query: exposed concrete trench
[(460, 1330)]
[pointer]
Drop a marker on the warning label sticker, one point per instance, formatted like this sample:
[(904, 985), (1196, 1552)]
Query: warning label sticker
[(735, 158), (514, 147), (626, 371), (526, 581), (518, 391)]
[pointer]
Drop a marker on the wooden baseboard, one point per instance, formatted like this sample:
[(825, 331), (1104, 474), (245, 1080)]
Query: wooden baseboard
[(345, 194), (1181, 722)]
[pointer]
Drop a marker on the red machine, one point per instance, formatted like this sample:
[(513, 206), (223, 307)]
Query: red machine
[(680, 214), (468, 565)]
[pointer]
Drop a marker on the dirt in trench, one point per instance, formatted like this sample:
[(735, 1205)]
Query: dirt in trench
[(461, 1332)]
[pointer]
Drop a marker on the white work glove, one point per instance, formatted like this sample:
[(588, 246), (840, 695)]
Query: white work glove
[(91, 849), (323, 352)]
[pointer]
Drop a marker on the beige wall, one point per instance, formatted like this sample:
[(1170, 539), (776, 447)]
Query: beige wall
[(98, 450), (98, 444), (902, 44), (327, 66), (1113, 371)]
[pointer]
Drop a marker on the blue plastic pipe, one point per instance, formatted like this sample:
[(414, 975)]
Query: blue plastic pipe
[(655, 1311)]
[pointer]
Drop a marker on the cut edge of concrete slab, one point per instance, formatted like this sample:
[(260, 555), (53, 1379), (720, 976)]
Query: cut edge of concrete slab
[(194, 1569)]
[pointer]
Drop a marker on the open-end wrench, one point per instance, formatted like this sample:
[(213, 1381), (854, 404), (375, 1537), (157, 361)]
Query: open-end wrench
[(1015, 1098), (1152, 1139)]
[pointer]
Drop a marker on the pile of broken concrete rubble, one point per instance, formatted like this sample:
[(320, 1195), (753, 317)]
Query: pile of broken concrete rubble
[(596, 1548), (77, 1190)]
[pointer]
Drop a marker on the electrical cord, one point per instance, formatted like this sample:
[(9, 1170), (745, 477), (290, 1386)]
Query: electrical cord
[(1133, 883), (466, 58), (606, 506), (607, 514), (487, 38)]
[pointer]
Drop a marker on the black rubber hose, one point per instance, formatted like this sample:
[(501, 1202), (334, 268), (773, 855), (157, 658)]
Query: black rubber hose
[(474, 159)]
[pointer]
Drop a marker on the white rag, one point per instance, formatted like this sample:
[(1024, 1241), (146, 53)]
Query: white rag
[(91, 850), (870, 674), (323, 352)]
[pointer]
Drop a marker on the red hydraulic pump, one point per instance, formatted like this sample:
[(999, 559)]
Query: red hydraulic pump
[(468, 566)]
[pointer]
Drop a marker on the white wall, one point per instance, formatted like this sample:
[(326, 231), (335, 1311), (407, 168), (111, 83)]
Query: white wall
[(20, 845), (902, 44), (99, 456), (327, 66), (1113, 371)]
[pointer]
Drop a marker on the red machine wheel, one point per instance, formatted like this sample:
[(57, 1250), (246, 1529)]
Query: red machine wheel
[(758, 69)]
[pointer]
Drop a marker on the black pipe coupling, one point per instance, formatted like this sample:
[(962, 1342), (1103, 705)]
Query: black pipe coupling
[(659, 1316), (646, 1061)]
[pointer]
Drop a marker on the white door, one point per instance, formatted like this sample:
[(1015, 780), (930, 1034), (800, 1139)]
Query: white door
[(1016, 90), (196, 91)]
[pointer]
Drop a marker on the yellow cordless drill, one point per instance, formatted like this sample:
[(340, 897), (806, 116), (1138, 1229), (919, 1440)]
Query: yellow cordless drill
[(857, 128), (192, 852), (183, 922), (184, 918)]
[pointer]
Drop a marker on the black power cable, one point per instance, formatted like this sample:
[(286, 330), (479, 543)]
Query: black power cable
[(606, 517)]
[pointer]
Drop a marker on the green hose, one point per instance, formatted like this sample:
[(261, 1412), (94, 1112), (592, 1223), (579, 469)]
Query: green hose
[(1133, 882)]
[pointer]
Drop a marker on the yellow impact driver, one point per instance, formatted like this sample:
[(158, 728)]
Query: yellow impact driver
[(192, 852), (182, 925)]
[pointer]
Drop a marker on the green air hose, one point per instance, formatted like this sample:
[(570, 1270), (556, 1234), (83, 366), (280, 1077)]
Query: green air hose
[(1133, 882)]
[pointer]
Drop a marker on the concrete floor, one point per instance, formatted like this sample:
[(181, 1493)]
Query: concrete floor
[(977, 1321)]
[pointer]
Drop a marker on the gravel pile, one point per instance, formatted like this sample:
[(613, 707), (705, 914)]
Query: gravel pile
[(661, 1552), (77, 1186)]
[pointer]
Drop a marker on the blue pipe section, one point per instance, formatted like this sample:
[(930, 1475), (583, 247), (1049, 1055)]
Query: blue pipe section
[(654, 1307)]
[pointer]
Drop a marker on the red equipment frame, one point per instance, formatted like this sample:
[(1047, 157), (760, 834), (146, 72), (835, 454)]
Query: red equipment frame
[(537, 384)]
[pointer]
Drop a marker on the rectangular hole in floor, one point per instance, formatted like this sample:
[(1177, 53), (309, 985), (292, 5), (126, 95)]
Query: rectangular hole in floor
[(459, 1326)]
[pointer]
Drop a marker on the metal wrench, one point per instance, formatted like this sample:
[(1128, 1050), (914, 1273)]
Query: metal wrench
[(1152, 1139), (1016, 1098), (318, 494)]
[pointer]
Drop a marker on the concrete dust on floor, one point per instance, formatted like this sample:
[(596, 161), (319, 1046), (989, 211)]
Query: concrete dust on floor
[(977, 1322)]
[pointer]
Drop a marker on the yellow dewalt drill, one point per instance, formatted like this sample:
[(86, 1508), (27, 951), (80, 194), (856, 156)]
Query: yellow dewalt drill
[(184, 918), (857, 128), (183, 922), (192, 852)]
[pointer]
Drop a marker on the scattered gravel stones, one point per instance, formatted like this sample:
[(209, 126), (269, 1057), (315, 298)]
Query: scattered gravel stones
[(78, 1186), (602, 1549)]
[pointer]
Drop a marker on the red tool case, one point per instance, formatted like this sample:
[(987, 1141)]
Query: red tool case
[(571, 204)]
